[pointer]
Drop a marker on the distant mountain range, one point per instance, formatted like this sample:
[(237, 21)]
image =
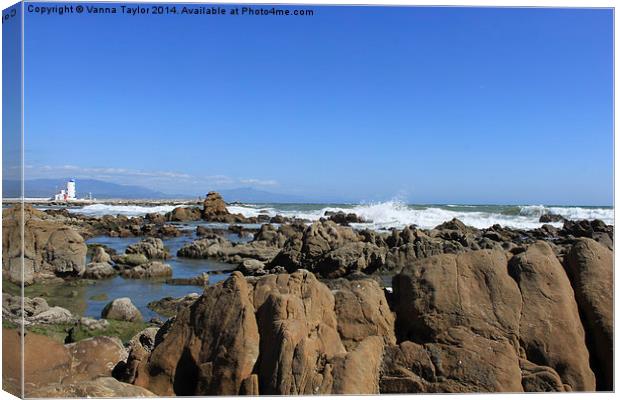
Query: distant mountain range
[(107, 190)]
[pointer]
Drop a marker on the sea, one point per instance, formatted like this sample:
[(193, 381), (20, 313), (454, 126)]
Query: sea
[(393, 214)]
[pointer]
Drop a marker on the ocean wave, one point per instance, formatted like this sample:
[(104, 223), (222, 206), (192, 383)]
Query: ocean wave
[(127, 210), (396, 214), (390, 214)]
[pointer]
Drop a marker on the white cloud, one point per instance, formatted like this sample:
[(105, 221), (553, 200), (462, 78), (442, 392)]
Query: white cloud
[(170, 180)]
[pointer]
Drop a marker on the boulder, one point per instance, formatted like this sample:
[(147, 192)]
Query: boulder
[(551, 217), (153, 269), (152, 248), (457, 317), (100, 256), (95, 357), (131, 260), (298, 334), (211, 347), (170, 306), (65, 252), (100, 270), (213, 206), (361, 311), (49, 247), (45, 361), (183, 214), (139, 348), (550, 329), (590, 269), (53, 315), (121, 309), (330, 251)]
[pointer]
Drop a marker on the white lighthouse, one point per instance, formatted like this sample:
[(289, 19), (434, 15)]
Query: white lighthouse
[(71, 189), (67, 194)]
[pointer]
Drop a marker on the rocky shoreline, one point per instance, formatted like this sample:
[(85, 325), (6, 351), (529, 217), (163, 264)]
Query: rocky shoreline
[(317, 307)]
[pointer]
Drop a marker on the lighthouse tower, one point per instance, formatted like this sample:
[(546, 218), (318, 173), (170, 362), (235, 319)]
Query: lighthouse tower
[(71, 189)]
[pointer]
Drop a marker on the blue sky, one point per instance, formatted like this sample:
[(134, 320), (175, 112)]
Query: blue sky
[(430, 105)]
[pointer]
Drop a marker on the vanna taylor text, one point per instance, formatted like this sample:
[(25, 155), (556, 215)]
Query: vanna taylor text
[(161, 9)]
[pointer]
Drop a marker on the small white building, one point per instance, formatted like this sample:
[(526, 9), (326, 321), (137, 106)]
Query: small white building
[(67, 194)]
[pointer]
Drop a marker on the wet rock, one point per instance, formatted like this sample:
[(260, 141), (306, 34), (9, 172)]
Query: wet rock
[(99, 271), (100, 256), (551, 217), (343, 218), (121, 309), (153, 269), (550, 329), (131, 260), (213, 206), (152, 248), (590, 269)]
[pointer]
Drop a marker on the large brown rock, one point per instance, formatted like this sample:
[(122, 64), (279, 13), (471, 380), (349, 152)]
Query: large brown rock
[(331, 251), (49, 247), (95, 357), (361, 311), (213, 206), (45, 360), (470, 289), (211, 347), (459, 361), (121, 309), (183, 214), (278, 334), (550, 329), (151, 248), (298, 334), (590, 269), (458, 318)]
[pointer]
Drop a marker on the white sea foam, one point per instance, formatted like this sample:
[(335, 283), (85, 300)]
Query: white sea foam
[(391, 214), (130, 211), (394, 214)]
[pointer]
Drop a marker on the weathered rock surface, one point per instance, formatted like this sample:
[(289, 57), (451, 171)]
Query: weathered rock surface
[(151, 248), (121, 309), (100, 256), (550, 329), (590, 269), (212, 346), (95, 357), (153, 269), (170, 306), (183, 214), (100, 270), (458, 320), (277, 334), (52, 368), (49, 247), (100, 387), (35, 311)]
